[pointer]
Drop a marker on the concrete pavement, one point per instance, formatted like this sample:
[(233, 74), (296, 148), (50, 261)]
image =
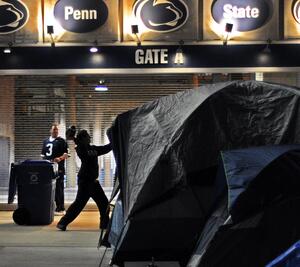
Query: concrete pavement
[(45, 246)]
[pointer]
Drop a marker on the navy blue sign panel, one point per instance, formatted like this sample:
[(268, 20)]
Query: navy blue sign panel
[(296, 10), (246, 15), (161, 15), (161, 58), (81, 16), (13, 16)]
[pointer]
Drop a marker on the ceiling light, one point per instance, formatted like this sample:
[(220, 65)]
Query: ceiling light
[(7, 50), (93, 49), (101, 88)]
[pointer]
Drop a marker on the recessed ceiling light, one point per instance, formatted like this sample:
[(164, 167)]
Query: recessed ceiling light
[(101, 88), (7, 50), (94, 49)]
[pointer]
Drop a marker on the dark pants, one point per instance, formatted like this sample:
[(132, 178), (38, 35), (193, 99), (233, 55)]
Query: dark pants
[(85, 191), (59, 193)]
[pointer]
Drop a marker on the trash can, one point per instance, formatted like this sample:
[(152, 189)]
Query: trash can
[(290, 258), (35, 182)]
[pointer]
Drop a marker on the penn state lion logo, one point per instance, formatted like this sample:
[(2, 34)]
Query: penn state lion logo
[(161, 15), (296, 10), (13, 16)]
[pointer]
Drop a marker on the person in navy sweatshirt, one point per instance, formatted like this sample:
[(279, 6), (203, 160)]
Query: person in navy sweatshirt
[(88, 183)]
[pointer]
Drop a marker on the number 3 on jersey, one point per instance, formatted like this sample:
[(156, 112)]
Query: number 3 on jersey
[(50, 147)]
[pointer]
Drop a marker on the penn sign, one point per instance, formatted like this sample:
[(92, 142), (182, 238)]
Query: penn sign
[(246, 15), (81, 16)]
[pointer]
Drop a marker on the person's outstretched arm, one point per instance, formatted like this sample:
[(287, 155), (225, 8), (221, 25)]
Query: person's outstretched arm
[(103, 149)]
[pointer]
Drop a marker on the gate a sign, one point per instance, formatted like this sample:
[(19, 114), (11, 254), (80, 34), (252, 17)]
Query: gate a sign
[(81, 16), (13, 16), (246, 15)]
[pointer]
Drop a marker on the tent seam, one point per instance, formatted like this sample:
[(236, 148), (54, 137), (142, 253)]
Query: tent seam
[(225, 170)]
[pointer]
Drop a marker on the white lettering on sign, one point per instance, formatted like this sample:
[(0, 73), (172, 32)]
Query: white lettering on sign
[(240, 12), (151, 56), (78, 14)]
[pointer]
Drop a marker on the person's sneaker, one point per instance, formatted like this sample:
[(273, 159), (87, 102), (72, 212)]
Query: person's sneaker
[(61, 226), (59, 213)]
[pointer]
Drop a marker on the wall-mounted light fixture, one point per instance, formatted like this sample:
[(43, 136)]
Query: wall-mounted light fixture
[(228, 30), (8, 49), (101, 87), (267, 49), (94, 48), (179, 56), (135, 31), (50, 31)]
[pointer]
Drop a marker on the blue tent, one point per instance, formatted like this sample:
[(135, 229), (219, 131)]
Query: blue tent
[(248, 183)]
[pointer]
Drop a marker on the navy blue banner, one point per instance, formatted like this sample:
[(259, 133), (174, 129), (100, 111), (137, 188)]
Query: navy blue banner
[(129, 57)]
